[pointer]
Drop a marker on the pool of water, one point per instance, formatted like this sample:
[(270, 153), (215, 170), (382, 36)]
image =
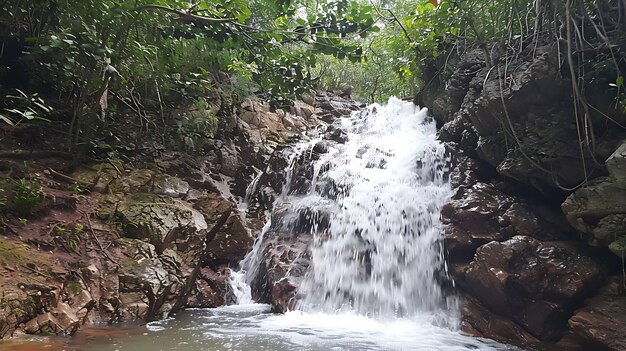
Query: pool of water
[(253, 327)]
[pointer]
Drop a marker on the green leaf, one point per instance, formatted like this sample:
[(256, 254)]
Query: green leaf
[(619, 82)]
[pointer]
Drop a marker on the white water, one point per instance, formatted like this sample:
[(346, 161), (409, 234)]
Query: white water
[(383, 247), (372, 281)]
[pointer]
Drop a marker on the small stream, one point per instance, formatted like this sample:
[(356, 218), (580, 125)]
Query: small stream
[(372, 280)]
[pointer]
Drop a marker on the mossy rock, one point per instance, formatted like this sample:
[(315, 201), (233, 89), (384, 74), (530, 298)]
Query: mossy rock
[(159, 219)]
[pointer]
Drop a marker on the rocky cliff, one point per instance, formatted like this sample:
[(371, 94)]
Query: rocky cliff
[(534, 233)]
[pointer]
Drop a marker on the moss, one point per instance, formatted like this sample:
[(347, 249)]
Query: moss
[(13, 253), (73, 288), (30, 302)]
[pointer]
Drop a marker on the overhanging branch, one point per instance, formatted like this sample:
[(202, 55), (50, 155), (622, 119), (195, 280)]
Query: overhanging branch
[(186, 16)]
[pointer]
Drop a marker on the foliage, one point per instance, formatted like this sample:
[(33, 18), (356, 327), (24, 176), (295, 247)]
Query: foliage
[(98, 60), (24, 107), (26, 196), (76, 188), (196, 127)]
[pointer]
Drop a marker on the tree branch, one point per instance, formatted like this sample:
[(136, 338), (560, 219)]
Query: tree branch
[(187, 17)]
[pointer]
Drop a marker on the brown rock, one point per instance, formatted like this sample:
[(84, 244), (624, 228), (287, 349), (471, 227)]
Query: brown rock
[(231, 242), (600, 324), (60, 320), (480, 322), (535, 283), (212, 289), (282, 267)]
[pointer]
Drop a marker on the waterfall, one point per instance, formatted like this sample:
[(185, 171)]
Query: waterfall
[(380, 252)]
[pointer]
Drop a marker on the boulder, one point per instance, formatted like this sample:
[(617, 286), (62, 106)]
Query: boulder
[(537, 284), (230, 243), (282, 268), (160, 220), (212, 289), (478, 321)]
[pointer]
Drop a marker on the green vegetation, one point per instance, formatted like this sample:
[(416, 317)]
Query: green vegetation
[(112, 76), (26, 196), (99, 70)]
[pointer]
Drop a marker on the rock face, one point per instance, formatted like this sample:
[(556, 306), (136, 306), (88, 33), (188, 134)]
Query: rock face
[(284, 256), (283, 266), (149, 241), (513, 245), (522, 124)]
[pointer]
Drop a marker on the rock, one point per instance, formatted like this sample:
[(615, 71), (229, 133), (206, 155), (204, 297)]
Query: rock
[(212, 289), (600, 324), (170, 186), (472, 220), (308, 99), (231, 243), (146, 282), (229, 161), (60, 320), (535, 283), (161, 220), (283, 266), (518, 123), (478, 321), (599, 209), (335, 134), (82, 304)]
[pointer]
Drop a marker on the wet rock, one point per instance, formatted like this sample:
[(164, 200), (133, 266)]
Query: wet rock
[(212, 289), (146, 282), (478, 321), (230, 243), (472, 220), (535, 283), (229, 161), (336, 134), (600, 324), (284, 263)]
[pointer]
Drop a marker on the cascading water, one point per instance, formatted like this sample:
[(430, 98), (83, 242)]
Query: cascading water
[(382, 249)]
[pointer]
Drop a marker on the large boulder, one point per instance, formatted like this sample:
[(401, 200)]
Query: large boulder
[(481, 212), (537, 284), (518, 116), (160, 220), (230, 243)]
